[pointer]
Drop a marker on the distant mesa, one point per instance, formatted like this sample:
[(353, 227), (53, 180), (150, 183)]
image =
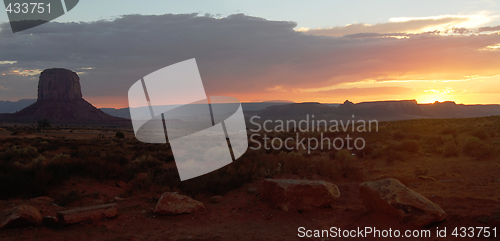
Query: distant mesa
[(60, 101), (278, 101), (379, 110)]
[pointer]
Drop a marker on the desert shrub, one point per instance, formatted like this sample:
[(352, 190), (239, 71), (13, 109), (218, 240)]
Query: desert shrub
[(119, 135), (449, 131), (145, 162), (19, 180), (84, 152), (220, 181), (377, 153), (365, 152), (419, 171), (293, 162), (43, 124), (119, 158), (415, 136), (61, 157), (164, 155), (217, 182), (345, 166), (332, 153), (344, 155), (67, 198), (326, 168), (480, 133), (411, 146), (99, 169), (140, 164), (392, 155), (474, 147), (398, 136), (24, 155), (57, 171), (433, 142), (451, 150)]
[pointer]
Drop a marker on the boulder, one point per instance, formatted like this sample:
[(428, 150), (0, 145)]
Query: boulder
[(391, 197), (299, 195), (87, 213), (173, 203), (20, 216)]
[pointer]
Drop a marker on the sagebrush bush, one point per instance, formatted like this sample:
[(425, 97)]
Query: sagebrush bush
[(21, 154), (449, 131), (474, 147), (392, 155), (119, 135), (411, 146), (67, 198), (450, 149), (398, 136), (345, 166), (480, 133)]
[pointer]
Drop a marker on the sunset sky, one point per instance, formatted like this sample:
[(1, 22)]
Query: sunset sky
[(319, 50)]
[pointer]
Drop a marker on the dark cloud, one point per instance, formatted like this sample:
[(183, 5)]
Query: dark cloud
[(488, 29), (236, 55)]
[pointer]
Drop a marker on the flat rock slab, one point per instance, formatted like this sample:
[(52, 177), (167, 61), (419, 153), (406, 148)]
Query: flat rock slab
[(173, 203), (299, 195), (87, 213), (391, 197), (42, 200), (20, 216)]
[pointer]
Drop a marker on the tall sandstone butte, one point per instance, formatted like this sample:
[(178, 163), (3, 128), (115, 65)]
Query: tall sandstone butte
[(60, 101), (59, 85)]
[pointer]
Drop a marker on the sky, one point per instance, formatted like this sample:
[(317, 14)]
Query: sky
[(316, 50)]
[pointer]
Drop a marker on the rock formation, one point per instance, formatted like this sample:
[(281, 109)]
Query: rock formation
[(87, 213), (20, 216), (173, 203), (60, 101), (298, 195), (391, 197), (59, 85)]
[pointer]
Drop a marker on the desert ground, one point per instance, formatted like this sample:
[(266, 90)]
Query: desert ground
[(455, 163)]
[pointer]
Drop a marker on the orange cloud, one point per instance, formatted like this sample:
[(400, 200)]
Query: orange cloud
[(407, 25)]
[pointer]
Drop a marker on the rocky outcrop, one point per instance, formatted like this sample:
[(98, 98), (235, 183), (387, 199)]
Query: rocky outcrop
[(59, 85), (20, 216), (173, 203), (87, 213), (391, 197), (60, 101), (299, 195)]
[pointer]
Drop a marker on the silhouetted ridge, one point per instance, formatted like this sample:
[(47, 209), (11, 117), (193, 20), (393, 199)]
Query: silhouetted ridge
[(60, 101)]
